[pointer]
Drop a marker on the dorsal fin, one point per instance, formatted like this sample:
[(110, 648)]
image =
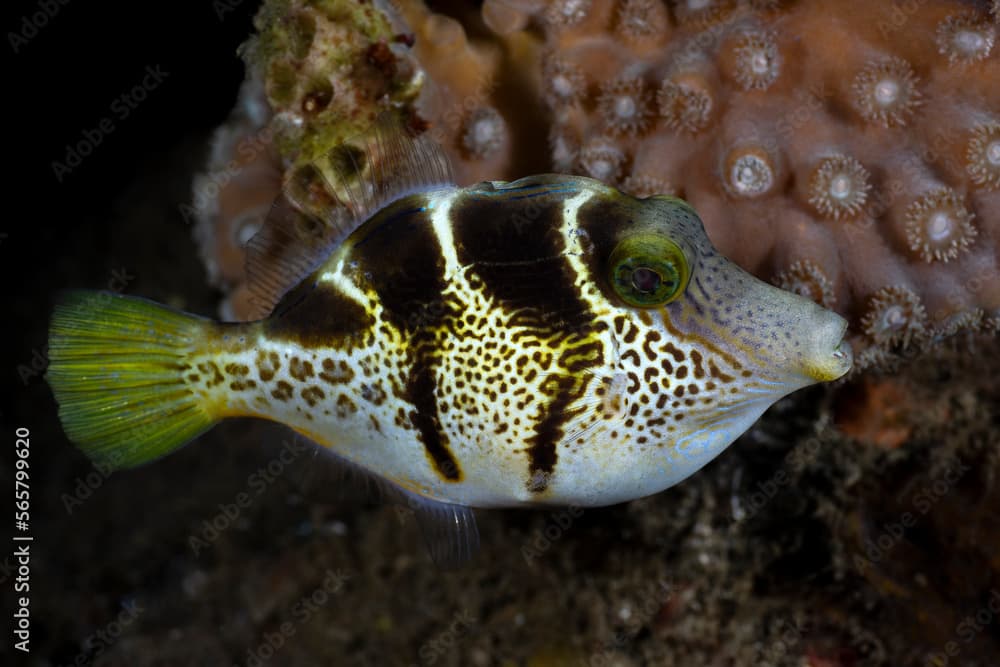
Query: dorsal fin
[(324, 201)]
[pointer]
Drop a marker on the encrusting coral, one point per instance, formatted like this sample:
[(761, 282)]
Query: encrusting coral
[(320, 74), (848, 151)]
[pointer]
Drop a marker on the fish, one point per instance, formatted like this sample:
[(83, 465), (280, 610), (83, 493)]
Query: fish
[(549, 341)]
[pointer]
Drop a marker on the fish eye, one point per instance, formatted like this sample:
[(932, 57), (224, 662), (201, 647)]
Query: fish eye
[(648, 270)]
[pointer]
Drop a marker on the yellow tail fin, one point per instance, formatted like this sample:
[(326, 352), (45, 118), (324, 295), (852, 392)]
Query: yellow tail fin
[(116, 368)]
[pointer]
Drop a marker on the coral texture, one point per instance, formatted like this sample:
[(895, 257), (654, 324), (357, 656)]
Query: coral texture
[(849, 151), (319, 76)]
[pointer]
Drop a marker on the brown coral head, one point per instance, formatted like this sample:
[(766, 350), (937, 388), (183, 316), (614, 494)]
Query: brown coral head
[(757, 61), (983, 156), (965, 38), (838, 187), (624, 106), (806, 279), (749, 171), (885, 92), (895, 316), (938, 226)]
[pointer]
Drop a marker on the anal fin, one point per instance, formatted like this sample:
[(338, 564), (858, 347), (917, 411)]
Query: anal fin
[(449, 531)]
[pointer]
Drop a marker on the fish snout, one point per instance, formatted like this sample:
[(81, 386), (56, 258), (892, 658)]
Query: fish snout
[(802, 342), (827, 355)]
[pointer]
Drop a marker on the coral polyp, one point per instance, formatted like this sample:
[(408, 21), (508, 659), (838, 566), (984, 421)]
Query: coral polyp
[(839, 187), (485, 131), (623, 106), (967, 320), (964, 38), (806, 279), (757, 61), (939, 226), (601, 158), (565, 13), (565, 82), (895, 316), (748, 171), (983, 156), (564, 150), (684, 105), (885, 92), (641, 19)]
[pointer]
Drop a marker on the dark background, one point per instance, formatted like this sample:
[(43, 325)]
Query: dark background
[(62, 83), (114, 214)]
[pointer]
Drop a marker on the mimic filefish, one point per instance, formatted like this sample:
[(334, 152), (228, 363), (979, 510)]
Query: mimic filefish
[(546, 341)]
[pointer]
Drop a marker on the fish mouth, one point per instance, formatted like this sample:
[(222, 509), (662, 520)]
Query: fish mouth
[(830, 364)]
